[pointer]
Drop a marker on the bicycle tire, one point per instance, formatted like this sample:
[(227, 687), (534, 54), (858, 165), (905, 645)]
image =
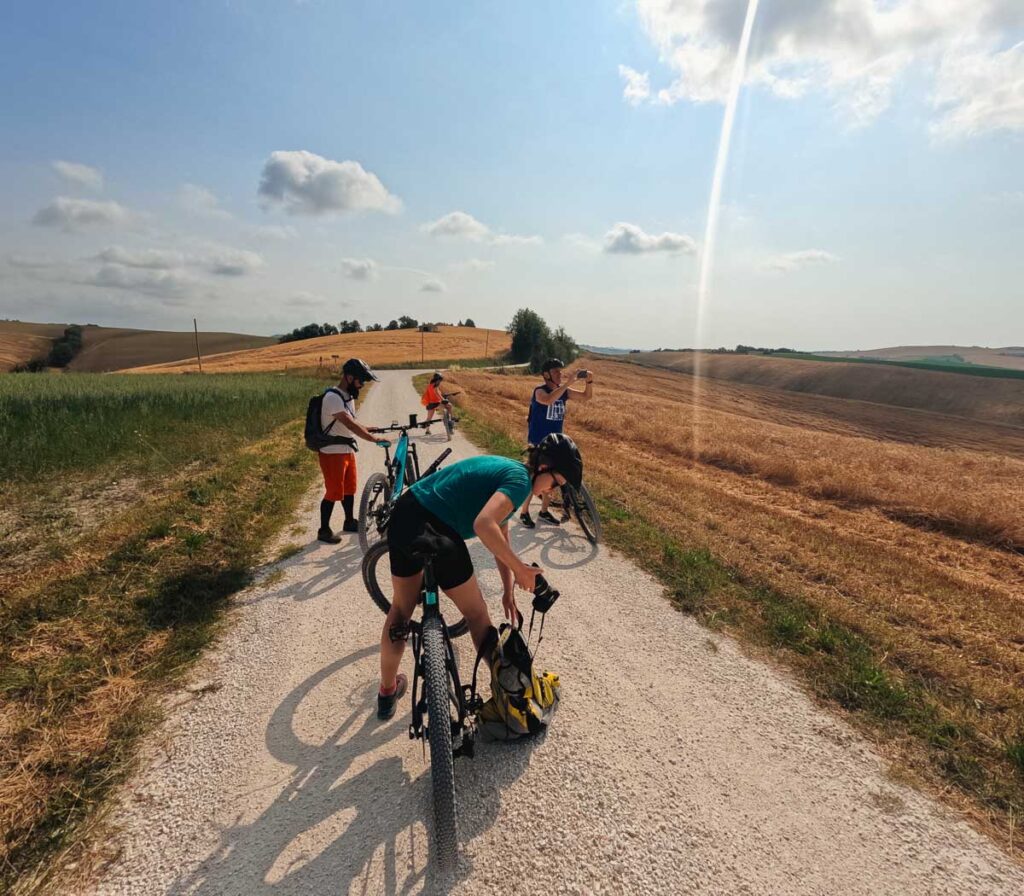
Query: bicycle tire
[(372, 561), (439, 735), (586, 515), (449, 427), (374, 497)]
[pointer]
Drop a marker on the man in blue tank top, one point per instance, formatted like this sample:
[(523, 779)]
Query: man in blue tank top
[(547, 416)]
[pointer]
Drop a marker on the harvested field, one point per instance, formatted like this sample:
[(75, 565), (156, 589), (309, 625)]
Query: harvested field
[(900, 526), (960, 395), (1009, 356), (114, 348), (386, 347)]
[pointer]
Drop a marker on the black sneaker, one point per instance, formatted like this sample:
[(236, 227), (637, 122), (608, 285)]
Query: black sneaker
[(386, 704), (350, 526), (327, 536), (527, 520), (548, 517)]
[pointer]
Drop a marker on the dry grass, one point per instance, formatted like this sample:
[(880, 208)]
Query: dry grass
[(997, 401), (908, 552), (387, 347), (1012, 357)]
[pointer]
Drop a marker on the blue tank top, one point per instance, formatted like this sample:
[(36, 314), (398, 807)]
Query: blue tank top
[(545, 419)]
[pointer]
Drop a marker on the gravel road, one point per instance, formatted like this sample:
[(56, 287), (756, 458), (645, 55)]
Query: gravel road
[(674, 765)]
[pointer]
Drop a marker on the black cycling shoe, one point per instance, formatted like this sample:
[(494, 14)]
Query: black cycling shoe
[(328, 537), (527, 520), (350, 526), (386, 703), (548, 517)]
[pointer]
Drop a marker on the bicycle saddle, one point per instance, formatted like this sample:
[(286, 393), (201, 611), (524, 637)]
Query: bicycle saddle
[(430, 544)]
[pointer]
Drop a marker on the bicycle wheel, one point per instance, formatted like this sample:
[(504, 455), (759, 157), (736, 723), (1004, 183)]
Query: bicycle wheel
[(373, 500), (586, 514), (439, 733), (377, 579), (449, 427)]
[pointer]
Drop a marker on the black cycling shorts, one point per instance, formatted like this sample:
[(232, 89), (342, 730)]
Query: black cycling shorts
[(409, 520), (433, 406)]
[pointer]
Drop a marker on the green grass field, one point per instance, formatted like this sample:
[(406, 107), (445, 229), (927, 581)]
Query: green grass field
[(108, 597), (79, 422)]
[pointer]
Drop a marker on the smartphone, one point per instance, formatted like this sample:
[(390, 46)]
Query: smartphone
[(582, 374)]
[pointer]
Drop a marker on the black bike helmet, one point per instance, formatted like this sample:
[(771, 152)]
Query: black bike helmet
[(550, 364), (436, 378), (558, 452), (359, 369)]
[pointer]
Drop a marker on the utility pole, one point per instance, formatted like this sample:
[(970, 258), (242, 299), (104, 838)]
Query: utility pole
[(487, 341), (423, 351), (199, 357)]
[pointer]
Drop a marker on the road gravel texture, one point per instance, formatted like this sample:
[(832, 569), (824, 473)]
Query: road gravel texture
[(675, 764)]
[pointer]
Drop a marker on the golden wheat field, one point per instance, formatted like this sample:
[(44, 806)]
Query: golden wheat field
[(385, 347), (902, 524)]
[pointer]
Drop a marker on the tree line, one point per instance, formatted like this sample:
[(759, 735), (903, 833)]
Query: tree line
[(312, 331)]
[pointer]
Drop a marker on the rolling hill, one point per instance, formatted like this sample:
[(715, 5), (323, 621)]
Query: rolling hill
[(1008, 356), (114, 348)]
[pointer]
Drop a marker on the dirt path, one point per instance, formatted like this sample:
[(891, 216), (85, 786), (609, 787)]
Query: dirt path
[(675, 764)]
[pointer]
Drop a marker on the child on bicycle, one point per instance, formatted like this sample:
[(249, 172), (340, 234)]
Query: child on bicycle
[(432, 399), (473, 498)]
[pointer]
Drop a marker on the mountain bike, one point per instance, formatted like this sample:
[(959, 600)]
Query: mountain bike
[(382, 490), (448, 419), (579, 503), (444, 709)]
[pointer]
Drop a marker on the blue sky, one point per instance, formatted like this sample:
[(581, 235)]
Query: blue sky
[(263, 164)]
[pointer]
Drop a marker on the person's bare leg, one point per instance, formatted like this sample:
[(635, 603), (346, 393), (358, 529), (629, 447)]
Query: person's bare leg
[(469, 601), (406, 593)]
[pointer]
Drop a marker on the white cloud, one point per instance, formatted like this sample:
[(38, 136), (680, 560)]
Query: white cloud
[(853, 50), (273, 232), (305, 300), (795, 261), (222, 261), (200, 201), (979, 92), (155, 259), (628, 239), (432, 286), (637, 86), (303, 183), (359, 268), (81, 214), (171, 286), (582, 241), (471, 266), (80, 175), (462, 225)]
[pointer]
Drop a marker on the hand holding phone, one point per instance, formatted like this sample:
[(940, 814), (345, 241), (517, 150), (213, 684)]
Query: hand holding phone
[(582, 374)]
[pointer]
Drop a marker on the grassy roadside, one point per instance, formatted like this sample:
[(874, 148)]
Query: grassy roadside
[(91, 637), (922, 722)]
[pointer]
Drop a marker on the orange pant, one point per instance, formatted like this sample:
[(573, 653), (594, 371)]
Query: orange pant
[(339, 475)]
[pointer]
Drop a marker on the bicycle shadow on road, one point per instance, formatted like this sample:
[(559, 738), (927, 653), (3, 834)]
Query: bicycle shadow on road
[(338, 819), (324, 567), (554, 548)]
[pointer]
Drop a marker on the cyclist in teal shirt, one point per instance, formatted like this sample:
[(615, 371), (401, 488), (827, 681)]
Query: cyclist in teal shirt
[(473, 498)]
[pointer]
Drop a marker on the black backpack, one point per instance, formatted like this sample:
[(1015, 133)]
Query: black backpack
[(317, 437)]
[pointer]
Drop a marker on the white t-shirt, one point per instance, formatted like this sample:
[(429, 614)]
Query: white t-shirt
[(332, 404)]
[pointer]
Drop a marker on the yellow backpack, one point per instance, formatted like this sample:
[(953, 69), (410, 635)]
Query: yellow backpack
[(521, 701)]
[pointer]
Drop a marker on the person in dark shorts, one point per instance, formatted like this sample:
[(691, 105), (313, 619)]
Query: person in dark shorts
[(474, 498)]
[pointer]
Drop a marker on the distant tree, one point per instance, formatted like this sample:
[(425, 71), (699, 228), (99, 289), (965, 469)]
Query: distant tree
[(64, 349), (392, 325), (374, 328), (533, 341), (407, 323), (310, 331), (350, 326), (459, 324), (468, 322)]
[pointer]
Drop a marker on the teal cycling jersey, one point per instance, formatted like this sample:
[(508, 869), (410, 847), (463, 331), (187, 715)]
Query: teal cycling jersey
[(458, 493)]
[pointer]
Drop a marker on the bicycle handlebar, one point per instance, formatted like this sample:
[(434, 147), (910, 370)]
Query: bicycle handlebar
[(398, 427)]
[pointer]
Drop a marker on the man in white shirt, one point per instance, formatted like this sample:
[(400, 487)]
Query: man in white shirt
[(338, 462)]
